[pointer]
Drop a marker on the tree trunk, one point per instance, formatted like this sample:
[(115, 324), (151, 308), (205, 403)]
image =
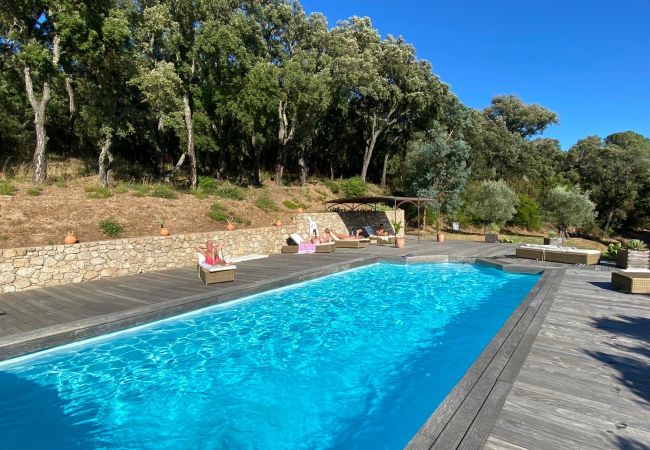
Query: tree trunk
[(331, 172), (72, 110), (384, 170), (257, 171), (608, 223), (302, 166), (40, 108), (189, 124), (370, 146), (106, 162), (285, 135), (38, 161)]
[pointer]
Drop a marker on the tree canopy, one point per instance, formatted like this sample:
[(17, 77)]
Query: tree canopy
[(248, 89)]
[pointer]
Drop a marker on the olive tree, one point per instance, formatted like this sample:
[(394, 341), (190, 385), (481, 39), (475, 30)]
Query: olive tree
[(495, 203), (568, 207)]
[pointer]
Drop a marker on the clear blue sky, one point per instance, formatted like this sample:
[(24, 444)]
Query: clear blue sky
[(589, 61)]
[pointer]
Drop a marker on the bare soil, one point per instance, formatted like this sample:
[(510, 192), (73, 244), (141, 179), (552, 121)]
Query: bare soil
[(27, 220)]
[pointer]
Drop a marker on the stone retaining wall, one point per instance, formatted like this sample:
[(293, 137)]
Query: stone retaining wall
[(33, 267)]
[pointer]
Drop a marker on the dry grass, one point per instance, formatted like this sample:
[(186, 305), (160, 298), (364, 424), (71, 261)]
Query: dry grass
[(28, 220)]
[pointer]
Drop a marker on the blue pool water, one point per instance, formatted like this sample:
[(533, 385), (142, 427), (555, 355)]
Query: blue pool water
[(357, 359)]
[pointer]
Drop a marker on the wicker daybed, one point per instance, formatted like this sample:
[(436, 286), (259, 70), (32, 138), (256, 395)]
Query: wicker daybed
[(632, 282), (350, 243), (297, 239), (553, 253)]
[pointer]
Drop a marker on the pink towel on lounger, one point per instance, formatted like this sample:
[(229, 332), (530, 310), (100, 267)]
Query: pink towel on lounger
[(306, 247)]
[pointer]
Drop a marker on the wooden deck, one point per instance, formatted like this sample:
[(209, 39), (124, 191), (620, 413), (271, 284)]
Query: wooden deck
[(582, 348), (585, 384)]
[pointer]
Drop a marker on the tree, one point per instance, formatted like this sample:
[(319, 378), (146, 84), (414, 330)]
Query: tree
[(31, 37), (518, 117), (437, 169), (614, 175), (568, 207), (494, 203)]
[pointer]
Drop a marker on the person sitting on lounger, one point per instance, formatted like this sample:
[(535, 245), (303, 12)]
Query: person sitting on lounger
[(345, 237), (212, 253), (324, 238), (380, 230)]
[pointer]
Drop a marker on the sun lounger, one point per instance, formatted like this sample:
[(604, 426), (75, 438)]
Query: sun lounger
[(350, 243), (554, 253), (217, 273), (632, 282), (369, 232), (297, 239)]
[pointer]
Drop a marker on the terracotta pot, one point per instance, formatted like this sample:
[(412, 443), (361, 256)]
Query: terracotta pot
[(300, 210), (441, 236), (164, 231), (230, 227), (400, 242), (70, 238), (278, 223)]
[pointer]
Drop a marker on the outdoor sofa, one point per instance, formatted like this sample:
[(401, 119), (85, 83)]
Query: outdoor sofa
[(217, 273), (553, 253), (632, 281), (297, 240), (350, 243)]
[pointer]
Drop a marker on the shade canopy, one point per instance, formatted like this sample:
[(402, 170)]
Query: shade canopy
[(353, 203)]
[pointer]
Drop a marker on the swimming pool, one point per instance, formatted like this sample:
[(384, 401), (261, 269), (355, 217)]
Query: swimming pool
[(358, 359)]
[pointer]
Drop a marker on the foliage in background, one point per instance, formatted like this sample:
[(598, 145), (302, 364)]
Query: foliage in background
[(111, 227), (6, 188), (528, 214), (494, 203), (568, 207), (266, 203), (353, 187)]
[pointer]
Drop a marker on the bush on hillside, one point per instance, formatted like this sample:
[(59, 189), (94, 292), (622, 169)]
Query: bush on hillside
[(494, 203), (354, 187), (111, 227), (266, 203), (528, 214), (568, 207)]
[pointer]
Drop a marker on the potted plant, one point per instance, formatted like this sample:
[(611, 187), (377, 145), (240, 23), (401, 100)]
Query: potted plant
[(400, 241), (278, 222), (70, 238), (229, 226), (164, 231), (635, 255), (553, 239), (440, 235), (492, 233)]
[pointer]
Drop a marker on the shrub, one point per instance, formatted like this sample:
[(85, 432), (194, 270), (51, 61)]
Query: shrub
[(635, 244), (231, 192), (266, 203), (140, 190), (218, 213), (111, 227), (495, 203), (6, 188), (98, 192), (122, 188), (207, 184), (162, 191), (528, 214), (293, 204), (332, 186), (568, 207), (199, 193), (35, 191), (612, 250), (354, 187), (61, 182)]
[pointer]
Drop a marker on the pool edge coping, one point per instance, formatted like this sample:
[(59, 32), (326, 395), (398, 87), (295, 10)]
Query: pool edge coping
[(465, 418)]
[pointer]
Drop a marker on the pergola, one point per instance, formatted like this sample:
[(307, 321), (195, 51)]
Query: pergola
[(353, 203)]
